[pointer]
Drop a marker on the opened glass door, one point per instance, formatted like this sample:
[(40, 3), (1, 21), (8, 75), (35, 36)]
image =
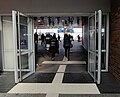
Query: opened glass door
[(94, 47), (24, 46)]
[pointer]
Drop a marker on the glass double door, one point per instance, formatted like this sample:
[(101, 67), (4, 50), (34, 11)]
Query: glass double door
[(23, 45), (94, 47)]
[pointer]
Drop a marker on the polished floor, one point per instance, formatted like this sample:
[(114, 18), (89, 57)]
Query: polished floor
[(71, 74)]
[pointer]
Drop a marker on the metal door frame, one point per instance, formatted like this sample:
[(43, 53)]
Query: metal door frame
[(98, 79)]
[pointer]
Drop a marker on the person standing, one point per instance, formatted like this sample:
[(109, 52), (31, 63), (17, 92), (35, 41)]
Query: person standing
[(59, 38), (36, 47), (66, 45), (54, 46), (42, 39), (47, 40), (78, 38), (36, 41)]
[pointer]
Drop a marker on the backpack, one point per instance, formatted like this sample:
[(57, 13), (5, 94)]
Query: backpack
[(53, 42), (67, 41)]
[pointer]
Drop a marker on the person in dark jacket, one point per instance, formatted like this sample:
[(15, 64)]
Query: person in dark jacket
[(54, 46), (59, 38), (36, 41), (78, 38), (47, 40), (66, 45), (36, 46), (42, 39)]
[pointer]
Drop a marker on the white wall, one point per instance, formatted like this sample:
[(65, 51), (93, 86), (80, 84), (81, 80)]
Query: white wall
[(8, 43), (54, 6)]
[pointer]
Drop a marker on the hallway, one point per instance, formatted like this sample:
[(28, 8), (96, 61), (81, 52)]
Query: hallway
[(45, 72), (60, 78)]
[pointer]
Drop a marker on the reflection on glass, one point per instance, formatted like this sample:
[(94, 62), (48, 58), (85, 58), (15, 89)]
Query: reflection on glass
[(92, 40), (23, 20), (24, 61), (103, 37), (23, 32), (24, 64), (92, 64), (103, 60), (18, 68), (103, 30), (92, 34), (23, 37)]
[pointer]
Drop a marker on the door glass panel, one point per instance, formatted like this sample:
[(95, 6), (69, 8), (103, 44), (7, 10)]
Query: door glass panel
[(24, 64), (92, 34), (23, 32), (24, 46), (24, 61), (23, 20), (92, 64), (92, 47), (103, 42), (103, 60), (103, 34), (18, 70)]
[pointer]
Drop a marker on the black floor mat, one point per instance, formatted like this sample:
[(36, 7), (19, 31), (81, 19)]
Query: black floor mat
[(77, 78), (40, 78)]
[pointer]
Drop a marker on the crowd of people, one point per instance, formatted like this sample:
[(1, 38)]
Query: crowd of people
[(51, 43)]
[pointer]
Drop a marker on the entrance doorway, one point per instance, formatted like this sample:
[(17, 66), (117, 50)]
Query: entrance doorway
[(98, 45), (25, 49)]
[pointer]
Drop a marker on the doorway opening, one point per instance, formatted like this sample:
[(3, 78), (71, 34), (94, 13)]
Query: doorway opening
[(45, 29), (24, 47), (43, 54)]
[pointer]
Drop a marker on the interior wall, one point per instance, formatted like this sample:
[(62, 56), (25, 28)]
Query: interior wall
[(8, 44), (115, 39), (54, 6)]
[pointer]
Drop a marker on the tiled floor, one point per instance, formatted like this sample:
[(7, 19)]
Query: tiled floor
[(55, 88), (67, 74)]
